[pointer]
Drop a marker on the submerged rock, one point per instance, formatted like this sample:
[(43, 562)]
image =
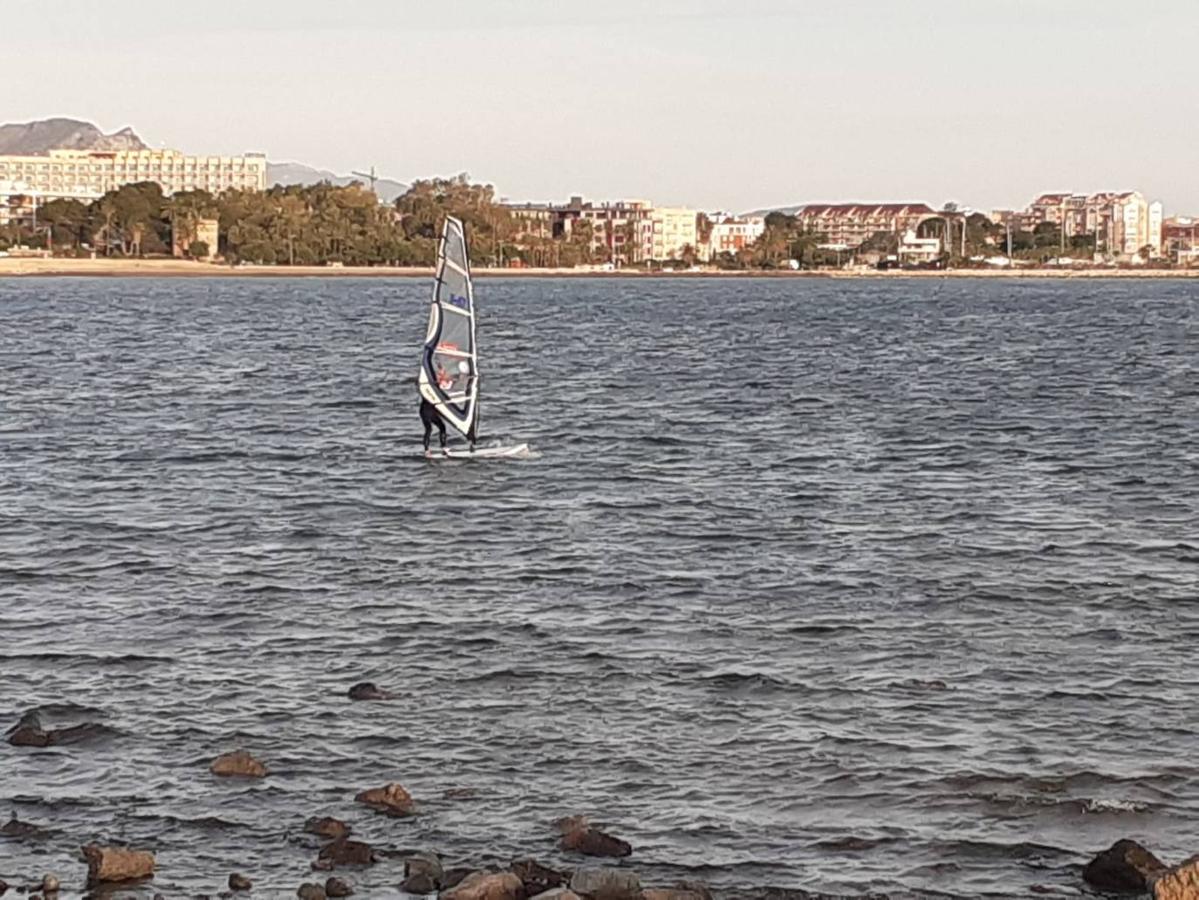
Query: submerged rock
[(14, 828), (240, 764), (593, 842), (327, 826), (606, 883), (344, 852), (537, 878), (1178, 883), (29, 732), (3, 887), (335, 887), (487, 886), (309, 891), (50, 884), (366, 690), (239, 882), (1125, 866), (391, 799), (117, 863)]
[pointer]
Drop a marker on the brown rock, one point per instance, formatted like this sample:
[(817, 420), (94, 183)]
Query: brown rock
[(669, 894), (28, 732), (537, 878), (391, 799), (1179, 883), (366, 690), (558, 893), (117, 863), (309, 891), (1125, 866), (593, 842), (239, 882), (238, 763), (487, 886), (322, 865), (344, 852), (455, 876), (14, 828), (420, 883), (606, 883), (335, 887), (424, 864), (328, 827), (572, 823)]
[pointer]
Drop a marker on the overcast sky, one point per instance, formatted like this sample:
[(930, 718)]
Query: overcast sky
[(729, 104)]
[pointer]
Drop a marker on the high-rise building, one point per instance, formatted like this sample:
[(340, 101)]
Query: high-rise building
[(89, 174), (1123, 222)]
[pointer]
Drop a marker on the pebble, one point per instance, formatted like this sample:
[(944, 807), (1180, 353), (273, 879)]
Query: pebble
[(239, 882)]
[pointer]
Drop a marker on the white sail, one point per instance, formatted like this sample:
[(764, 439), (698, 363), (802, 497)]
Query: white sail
[(449, 371)]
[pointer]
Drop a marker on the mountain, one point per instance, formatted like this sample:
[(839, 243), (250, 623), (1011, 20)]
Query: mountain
[(37, 138), (297, 173)]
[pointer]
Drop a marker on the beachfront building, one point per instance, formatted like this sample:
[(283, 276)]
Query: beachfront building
[(731, 234), (671, 233), (849, 225), (27, 182), (1123, 222), (1180, 240)]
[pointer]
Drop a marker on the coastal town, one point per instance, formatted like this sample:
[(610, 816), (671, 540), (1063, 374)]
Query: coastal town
[(133, 201)]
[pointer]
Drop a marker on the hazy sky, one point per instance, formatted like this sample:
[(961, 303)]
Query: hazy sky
[(731, 104)]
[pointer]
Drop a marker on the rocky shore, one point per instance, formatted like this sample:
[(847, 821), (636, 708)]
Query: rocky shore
[(602, 865)]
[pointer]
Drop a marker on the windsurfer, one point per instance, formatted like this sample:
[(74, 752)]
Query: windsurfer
[(429, 416)]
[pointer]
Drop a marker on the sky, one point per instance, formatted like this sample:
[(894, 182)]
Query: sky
[(714, 104)]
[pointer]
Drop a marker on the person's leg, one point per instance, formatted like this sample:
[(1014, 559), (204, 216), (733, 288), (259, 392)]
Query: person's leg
[(428, 433), (441, 433)]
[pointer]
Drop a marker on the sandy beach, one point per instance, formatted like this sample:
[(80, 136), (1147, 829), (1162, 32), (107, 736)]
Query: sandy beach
[(179, 268)]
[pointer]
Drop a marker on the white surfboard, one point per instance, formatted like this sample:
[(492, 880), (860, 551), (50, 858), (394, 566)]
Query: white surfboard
[(512, 451)]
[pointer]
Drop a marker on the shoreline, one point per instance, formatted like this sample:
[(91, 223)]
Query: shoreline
[(30, 267)]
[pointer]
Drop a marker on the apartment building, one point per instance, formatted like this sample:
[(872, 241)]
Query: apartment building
[(672, 230), (1180, 239), (1123, 222), (732, 233), (849, 225)]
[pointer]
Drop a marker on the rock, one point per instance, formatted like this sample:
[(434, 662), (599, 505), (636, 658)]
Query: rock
[(605, 883), (669, 894), (427, 864), (117, 863), (28, 732), (322, 865), (17, 829), (1126, 866), (460, 793), (328, 827), (3, 887), (593, 842), (239, 882), (366, 690), (391, 799), (454, 877), (537, 878), (344, 852), (50, 884), (335, 887), (420, 883), (487, 886), (309, 891), (1179, 883), (238, 763), (558, 893), (572, 823)]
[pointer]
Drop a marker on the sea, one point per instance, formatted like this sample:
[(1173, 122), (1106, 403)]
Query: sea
[(870, 586)]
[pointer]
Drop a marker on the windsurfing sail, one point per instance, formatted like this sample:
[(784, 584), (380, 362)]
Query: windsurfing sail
[(449, 370)]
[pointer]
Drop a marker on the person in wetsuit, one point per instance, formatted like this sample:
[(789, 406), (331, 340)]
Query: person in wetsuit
[(429, 417)]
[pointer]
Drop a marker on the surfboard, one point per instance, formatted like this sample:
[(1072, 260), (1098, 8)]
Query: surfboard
[(513, 451)]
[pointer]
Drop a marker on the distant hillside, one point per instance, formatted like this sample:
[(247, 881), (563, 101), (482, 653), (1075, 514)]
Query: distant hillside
[(36, 138), (786, 210), (297, 173)]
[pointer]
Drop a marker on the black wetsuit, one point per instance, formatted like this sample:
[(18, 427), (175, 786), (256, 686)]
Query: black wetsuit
[(430, 417)]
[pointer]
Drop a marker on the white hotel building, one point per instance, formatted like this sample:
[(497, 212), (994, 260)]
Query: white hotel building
[(86, 175)]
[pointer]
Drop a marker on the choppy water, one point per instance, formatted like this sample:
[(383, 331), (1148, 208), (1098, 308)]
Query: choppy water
[(846, 586)]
